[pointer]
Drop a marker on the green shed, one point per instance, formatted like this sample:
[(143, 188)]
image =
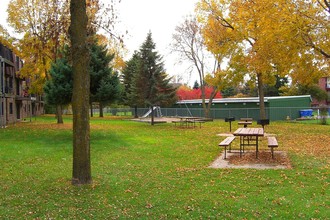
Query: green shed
[(277, 108)]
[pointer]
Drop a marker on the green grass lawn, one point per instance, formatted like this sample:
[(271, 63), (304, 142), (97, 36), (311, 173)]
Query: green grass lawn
[(159, 172)]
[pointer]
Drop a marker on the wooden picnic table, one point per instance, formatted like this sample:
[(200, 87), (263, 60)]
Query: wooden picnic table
[(187, 121), (249, 137)]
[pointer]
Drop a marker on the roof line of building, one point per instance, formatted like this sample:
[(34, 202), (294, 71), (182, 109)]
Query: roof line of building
[(240, 100), (4, 60)]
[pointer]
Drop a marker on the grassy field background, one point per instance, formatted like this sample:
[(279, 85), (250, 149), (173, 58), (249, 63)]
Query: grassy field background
[(159, 172)]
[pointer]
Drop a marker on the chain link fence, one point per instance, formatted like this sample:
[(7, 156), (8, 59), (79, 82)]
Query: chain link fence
[(274, 113)]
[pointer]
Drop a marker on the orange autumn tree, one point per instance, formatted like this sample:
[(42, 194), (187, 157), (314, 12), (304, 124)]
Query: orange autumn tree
[(186, 93), (259, 38)]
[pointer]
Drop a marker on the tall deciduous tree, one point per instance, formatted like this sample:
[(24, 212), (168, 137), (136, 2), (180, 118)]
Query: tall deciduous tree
[(314, 17), (81, 173), (44, 26), (7, 40), (186, 93), (189, 43), (260, 39)]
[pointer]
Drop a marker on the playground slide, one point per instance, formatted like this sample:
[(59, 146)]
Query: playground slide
[(149, 112)]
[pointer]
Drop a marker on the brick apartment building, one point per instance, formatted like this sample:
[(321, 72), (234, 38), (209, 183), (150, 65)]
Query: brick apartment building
[(324, 83), (16, 103)]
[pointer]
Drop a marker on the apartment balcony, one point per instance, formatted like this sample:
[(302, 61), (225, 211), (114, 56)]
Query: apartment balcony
[(22, 98), (9, 90)]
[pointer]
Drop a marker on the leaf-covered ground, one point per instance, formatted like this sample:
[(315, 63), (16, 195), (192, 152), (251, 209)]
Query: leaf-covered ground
[(159, 172), (264, 157)]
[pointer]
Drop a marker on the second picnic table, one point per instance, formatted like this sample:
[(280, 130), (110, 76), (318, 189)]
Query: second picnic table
[(249, 137), (186, 121), (245, 121)]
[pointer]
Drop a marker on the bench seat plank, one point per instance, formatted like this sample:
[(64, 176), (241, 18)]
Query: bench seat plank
[(272, 142), (227, 142)]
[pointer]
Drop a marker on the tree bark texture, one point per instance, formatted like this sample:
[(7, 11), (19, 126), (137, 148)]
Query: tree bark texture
[(261, 96), (101, 109), (59, 115), (209, 105), (135, 112), (80, 99), (92, 113), (152, 115)]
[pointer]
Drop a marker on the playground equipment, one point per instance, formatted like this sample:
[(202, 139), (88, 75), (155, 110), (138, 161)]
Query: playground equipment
[(185, 104), (188, 110), (155, 109)]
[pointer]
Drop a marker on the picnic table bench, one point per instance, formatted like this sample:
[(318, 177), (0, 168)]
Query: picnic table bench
[(272, 142), (200, 121), (245, 121), (227, 142)]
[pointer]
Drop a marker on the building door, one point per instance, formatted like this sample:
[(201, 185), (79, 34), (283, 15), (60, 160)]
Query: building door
[(18, 111)]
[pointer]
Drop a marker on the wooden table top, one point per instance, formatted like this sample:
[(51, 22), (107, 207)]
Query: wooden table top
[(249, 132)]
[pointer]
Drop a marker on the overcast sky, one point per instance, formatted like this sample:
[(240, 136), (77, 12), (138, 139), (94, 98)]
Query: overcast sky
[(139, 17)]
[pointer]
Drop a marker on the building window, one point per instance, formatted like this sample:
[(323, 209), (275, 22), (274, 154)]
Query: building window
[(11, 109), (328, 82)]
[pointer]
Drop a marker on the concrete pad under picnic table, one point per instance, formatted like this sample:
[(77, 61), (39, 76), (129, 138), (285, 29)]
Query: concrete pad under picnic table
[(248, 160)]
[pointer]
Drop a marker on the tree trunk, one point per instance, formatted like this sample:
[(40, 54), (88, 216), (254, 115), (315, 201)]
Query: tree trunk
[(92, 113), (261, 96), (81, 173), (206, 110), (152, 115), (101, 110), (209, 105), (59, 114), (135, 112)]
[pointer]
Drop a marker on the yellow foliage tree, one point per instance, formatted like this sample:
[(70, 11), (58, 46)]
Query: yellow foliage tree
[(260, 38), (43, 25), (6, 39)]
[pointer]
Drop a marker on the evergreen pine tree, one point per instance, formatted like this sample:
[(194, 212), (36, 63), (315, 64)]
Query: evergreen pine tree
[(108, 91), (196, 85), (58, 89), (130, 70), (104, 85), (151, 83)]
